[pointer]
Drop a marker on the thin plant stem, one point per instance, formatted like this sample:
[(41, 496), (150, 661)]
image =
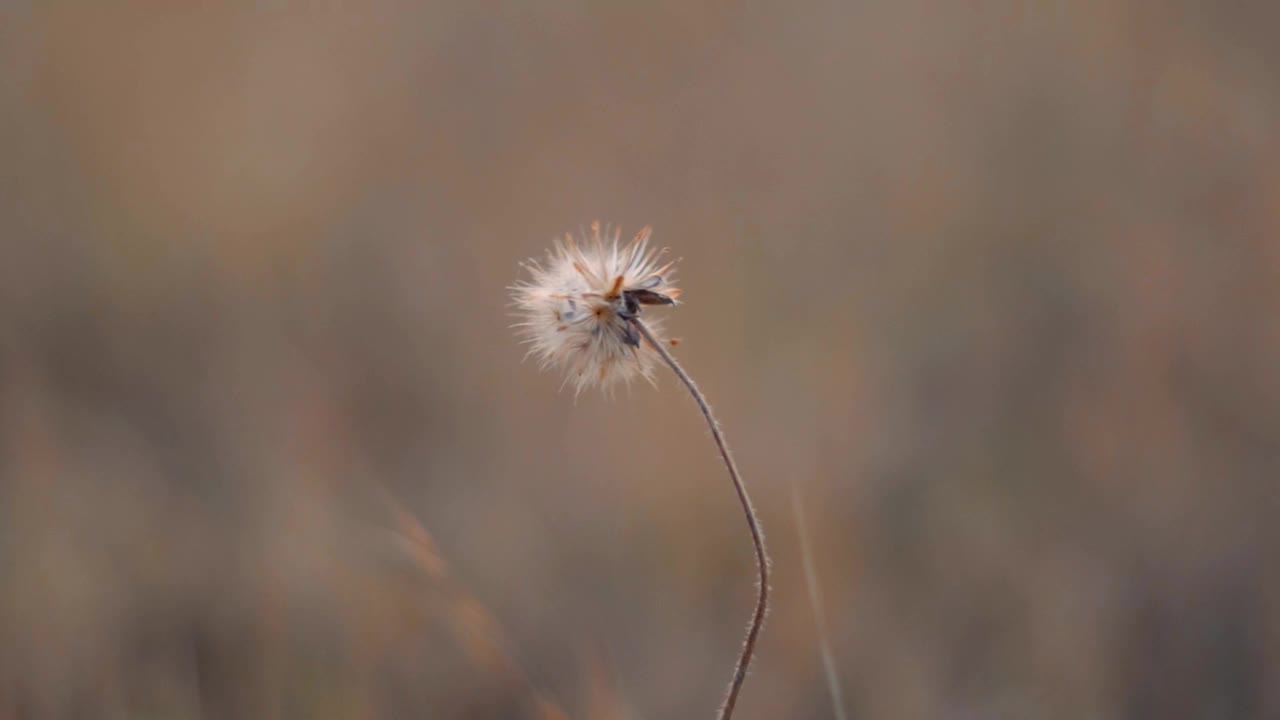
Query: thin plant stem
[(753, 522), (815, 602)]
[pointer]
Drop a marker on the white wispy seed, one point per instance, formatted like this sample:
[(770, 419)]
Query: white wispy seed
[(575, 307)]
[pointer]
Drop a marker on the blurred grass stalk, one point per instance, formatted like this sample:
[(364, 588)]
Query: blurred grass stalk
[(815, 601)]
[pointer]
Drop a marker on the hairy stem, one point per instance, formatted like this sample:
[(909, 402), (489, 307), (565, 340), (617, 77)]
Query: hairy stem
[(753, 522)]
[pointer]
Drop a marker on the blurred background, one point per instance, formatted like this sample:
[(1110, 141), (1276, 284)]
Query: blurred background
[(989, 287)]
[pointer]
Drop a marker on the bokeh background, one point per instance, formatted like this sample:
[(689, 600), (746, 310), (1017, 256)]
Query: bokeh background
[(989, 288)]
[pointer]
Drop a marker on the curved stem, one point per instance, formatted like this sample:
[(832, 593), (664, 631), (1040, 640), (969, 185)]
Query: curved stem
[(753, 522)]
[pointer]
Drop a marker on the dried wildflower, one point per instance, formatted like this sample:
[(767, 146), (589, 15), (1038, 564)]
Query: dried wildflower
[(581, 312), (577, 308)]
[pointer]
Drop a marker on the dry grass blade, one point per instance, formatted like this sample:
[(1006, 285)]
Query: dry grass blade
[(815, 601)]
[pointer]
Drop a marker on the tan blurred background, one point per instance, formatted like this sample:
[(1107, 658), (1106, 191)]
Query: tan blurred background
[(992, 286)]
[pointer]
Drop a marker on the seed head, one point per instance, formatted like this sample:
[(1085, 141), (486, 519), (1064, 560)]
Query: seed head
[(576, 308)]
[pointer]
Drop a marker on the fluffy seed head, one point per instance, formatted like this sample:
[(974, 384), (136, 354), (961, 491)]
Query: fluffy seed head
[(575, 307)]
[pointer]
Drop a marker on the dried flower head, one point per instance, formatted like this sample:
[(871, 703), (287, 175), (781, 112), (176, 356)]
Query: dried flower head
[(581, 312), (576, 309)]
